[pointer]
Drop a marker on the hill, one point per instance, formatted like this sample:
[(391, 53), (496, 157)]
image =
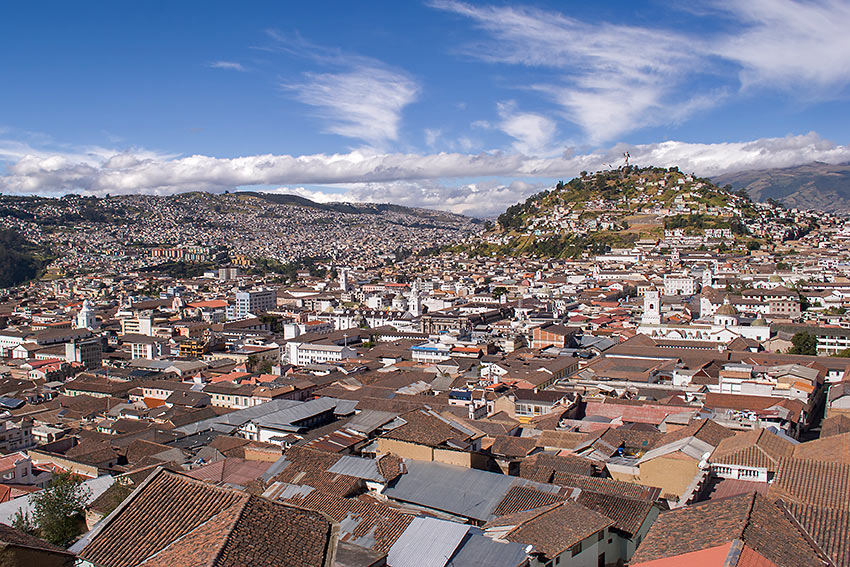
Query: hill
[(817, 186), (612, 209), (20, 260), (258, 229)]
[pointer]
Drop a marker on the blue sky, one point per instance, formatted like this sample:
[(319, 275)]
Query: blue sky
[(463, 106)]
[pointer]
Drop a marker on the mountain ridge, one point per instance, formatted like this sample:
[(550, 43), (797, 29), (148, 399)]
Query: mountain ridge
[(815, 185)]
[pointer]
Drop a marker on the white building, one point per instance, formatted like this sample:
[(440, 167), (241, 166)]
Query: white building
[(86, 318), (679, 284), (725, 327), (255, 301), (302, 354)]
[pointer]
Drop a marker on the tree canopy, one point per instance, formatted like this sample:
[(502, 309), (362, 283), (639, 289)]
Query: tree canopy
[(804, 342), (20, 260), (57, 510)]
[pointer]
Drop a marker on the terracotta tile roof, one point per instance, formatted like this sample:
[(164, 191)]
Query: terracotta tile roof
[(372, 524), (628, 514), (520, 498), (704, 429), (560, 439), (175, 521), (541, 467), (834, 449), (510, 446), (754, 519), (390, 466), (728, 487), (757, 448), (808, 481), (231, 470), (308, 467), (11, 536), (141, 448), (425, 428), (829, 527), (556, 529), (835, 425), (607, 486)]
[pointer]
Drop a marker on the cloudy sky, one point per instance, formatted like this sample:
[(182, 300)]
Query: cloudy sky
[(467, 107)]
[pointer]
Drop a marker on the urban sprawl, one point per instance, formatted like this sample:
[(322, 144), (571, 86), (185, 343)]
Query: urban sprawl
[(634, 368)]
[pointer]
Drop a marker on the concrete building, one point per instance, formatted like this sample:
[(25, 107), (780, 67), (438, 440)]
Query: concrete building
[(305, 353), (253, 302), (88, 353)]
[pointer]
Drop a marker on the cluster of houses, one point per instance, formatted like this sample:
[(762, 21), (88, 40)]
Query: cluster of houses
[(442, 410)]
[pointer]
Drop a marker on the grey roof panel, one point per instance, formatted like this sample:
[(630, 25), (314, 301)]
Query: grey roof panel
[(239, 417), (357, 467), (368, 421), (481, 551), (427, 542), (469, 493), (285, 418)]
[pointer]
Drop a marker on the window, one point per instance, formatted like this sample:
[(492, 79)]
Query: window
[(576, 549), (601, 535)]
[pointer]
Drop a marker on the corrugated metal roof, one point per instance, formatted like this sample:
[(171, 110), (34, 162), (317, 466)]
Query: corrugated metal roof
[(480, 551), (368, 421), (238, 417), (286, 491), (357, 467), (284, 419), (427, 542), (460, 491), (345, 407), (276, 467)]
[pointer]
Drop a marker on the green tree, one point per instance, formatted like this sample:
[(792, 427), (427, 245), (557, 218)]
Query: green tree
[(57, 511), (804, 342), (499, 291)]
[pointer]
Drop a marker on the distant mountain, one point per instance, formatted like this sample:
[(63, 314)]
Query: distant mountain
[(817, 185), (352, 208)]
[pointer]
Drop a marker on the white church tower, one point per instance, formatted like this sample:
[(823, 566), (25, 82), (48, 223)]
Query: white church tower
[(651, 308), (86, 318), (415, 303), (707, 277), (343, 279)]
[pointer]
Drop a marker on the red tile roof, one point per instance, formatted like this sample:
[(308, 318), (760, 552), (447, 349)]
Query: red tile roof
[(172, 520)]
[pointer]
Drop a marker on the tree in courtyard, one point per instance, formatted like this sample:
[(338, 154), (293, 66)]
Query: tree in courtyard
[(804, 342), (57, 511)]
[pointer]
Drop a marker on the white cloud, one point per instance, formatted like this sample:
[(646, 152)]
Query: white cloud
[(471, 183), (431, 136), (609, 79), (364, 103), (533, 133), (482, 199), (790, 44), (231, 65)]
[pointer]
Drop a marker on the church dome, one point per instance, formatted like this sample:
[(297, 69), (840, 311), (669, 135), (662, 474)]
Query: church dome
[(726, 309)]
